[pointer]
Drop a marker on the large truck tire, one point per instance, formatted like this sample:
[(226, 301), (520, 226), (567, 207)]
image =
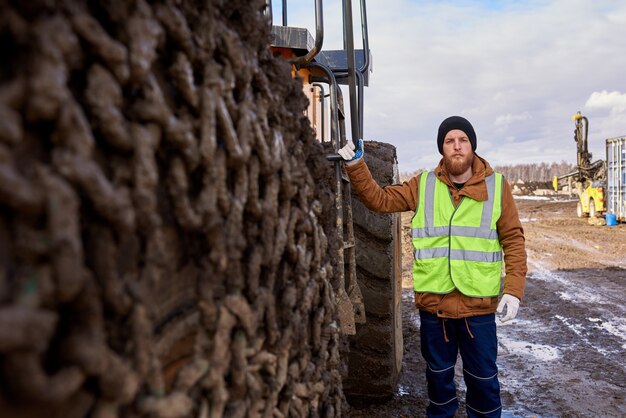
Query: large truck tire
[(168, 243), (376, 350)]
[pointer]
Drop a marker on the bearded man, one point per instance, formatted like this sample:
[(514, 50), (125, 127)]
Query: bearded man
[(465, 218)]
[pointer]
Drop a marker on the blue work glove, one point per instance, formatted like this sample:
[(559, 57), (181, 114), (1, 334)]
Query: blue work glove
[(348, 153)]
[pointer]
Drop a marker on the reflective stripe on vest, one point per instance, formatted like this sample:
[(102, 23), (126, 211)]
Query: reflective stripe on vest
[(457, 247)]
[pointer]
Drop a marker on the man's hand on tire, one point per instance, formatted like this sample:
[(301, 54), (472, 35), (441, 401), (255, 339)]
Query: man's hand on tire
[(351, 155)]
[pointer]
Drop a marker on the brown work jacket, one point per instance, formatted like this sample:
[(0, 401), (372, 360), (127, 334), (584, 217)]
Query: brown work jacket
[(403, 197)]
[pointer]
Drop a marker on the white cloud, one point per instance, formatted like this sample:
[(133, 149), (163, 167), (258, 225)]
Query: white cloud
[(607, 115), (614, 101), (508, 119)]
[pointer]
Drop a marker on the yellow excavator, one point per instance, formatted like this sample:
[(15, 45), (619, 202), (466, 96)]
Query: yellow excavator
[(589, 179)]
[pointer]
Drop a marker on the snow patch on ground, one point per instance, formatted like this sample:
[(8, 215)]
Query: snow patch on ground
[(403, 391), (619, 329), (579, 329), (540, 352), (581, 294), (615, 326), (525, 324)]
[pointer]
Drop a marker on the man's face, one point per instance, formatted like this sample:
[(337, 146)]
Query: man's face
[(457, 152)]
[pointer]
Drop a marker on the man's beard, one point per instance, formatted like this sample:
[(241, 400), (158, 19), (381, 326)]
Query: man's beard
[(456, 167)]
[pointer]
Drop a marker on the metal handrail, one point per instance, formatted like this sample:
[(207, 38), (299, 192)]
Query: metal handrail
[(366, 44), (361, 95), (334, 116), (355, 78), (349, 45), (365, 38), (319, 34)]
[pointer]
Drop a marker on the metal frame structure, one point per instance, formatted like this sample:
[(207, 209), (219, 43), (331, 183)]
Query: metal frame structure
[(616, 177), (334, 68)]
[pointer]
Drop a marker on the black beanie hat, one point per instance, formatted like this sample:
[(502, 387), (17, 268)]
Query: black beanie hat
[(455, 122)]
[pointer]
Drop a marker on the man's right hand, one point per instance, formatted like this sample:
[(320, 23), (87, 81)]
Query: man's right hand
[(511, 303), (351, 155)]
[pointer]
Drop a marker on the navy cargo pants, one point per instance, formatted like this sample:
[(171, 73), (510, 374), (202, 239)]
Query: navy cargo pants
[(441, 341)]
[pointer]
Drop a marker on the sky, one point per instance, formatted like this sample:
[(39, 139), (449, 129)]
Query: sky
[(517, 70)]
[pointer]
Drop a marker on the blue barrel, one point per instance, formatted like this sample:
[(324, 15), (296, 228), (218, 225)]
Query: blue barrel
[(611, 219)]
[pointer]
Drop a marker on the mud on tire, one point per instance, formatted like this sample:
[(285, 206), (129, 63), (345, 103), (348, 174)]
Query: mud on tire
[(376, 349), (167, 235)]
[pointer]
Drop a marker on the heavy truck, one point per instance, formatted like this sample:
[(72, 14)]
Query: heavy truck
[(369, 294), (174, 239), (600, 185)]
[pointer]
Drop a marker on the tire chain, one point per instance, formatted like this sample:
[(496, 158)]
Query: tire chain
[(144, 145)]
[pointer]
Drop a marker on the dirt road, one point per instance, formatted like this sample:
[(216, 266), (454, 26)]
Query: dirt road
[(565, 354)]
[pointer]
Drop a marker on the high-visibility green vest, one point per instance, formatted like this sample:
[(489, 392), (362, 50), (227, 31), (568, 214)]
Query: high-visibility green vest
[(457, 247)]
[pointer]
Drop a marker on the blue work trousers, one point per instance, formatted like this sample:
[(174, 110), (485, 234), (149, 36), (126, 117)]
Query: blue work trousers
[(441, 341)]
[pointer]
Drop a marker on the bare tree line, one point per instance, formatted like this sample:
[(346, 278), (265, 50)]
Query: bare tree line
[(535, 172)]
